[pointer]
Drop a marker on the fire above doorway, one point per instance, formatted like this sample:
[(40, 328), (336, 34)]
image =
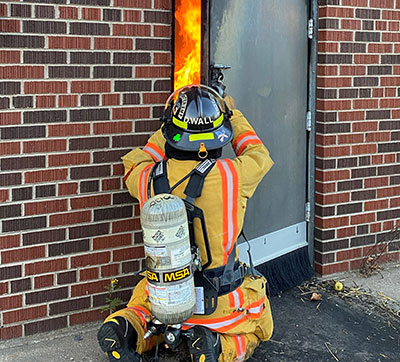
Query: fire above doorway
[(187, 47)]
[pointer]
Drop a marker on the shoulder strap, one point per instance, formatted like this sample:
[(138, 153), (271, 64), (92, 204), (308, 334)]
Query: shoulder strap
[(160, 179), (196, 182)]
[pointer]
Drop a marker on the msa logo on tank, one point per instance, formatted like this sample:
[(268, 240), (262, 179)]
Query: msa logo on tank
[(168, 277)]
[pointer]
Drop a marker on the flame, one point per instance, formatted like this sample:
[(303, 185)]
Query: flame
[(187, 42)]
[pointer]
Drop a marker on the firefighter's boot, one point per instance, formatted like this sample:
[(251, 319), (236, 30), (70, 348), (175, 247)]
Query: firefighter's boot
[(204, 346), (117, 338)]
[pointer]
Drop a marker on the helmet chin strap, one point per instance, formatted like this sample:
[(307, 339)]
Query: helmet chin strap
[(202, 153)]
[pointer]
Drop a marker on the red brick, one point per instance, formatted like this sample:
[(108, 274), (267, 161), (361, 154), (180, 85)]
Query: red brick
[(333, 82), (162, 58), (91, 86), (350, 138), (365, 103), (364, 149), (131, 30), (109, 270), (390, 81), (67, 12), (151, 98), (325, 140), (133, 3), (395, 114), (163, 4), (43, 267), (163, 31), (17, 255), (336, 12), (21, 72), (70, 218), (346, 232), (377, 92), (45, 87), (377, 159), (61, 42), (390, 103), (111, 184), (118, 170), (3, 288), (12, 302), (376, 205), (381, 25), (4, 196), (132, 253), (389, 4), (68, 101), (88, 274), (9, 241), (10, 148), (11, 118), (10, 332), (113, 241), (350, 24), (70, 188), (325, 187), (64, 130), (390, 92), (332, 35), (113, 43), (90, 201), (24, 314), (351, 116), (356, 264), (90, 259), (85, 317), (91, 14), (132, 16), (130, 113), (348, 254), (364, 126), (10, 26), (389, 191), (110, 99), (327, 69), (332, 151), (10, 56), (391, 14), (44, 281), (45, 101), (332, 175), (125, 225), (331, 268), (377, 136), (389, 158), (89, 288), (374, 228), (327, 199), (376, 182), (391, 37), (112, 127), (69, 159), (366, 59), (46, 207), (388, 225), (393, 26), (45, 146), (353, 70), (153, 72), (362, 218)]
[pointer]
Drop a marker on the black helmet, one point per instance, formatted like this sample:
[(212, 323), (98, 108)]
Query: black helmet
[(196, 118)]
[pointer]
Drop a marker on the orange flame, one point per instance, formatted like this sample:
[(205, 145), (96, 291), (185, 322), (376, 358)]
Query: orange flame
[(187, 42)]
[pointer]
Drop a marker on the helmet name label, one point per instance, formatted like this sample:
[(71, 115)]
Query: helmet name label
[(198, 120)]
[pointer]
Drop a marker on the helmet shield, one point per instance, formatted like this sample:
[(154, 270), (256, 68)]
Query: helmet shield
[(195, 115)]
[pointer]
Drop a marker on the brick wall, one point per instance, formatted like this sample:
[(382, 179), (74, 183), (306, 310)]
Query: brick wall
[(358, 130), (81, 83)]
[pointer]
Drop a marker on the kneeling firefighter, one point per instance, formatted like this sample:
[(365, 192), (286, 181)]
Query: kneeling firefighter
[(183, 160)]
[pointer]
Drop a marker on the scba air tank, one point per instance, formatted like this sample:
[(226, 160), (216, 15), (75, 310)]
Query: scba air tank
[(168, 258)]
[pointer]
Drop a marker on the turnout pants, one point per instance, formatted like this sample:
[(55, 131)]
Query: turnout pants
[(242, 318)]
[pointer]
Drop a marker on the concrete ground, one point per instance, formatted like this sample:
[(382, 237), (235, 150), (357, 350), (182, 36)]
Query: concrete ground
[(357, 324)]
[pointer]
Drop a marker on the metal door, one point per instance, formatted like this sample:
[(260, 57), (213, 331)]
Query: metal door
[(265, 42)]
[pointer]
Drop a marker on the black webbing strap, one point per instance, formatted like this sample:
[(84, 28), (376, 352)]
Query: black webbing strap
[(160, 179)]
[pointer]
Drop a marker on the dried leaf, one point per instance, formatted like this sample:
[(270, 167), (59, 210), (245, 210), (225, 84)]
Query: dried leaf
[(316, 296)]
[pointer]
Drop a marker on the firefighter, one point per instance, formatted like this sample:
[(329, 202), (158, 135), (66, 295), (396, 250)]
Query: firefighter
[(197, 124)]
